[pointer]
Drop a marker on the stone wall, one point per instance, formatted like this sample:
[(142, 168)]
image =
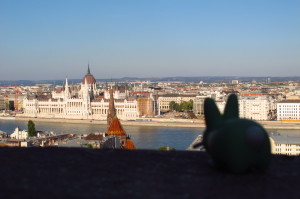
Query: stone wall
[(86, 173)]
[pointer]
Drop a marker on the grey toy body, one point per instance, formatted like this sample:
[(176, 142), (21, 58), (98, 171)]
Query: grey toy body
[(235, 144)]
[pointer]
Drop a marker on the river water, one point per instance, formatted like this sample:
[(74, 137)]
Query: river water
[(144, 137)]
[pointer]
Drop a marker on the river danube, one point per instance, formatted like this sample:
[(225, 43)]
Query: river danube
[(144, 137)]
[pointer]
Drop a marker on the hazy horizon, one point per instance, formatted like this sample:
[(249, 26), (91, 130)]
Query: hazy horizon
[(48, 40), (177, 78)]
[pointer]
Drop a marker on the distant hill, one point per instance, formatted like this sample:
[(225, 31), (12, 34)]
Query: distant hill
[(208, 79)]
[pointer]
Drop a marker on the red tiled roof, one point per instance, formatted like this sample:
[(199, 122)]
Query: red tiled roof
[(94, 136), (115, 128), (130, 99), (58, 90), (251, 94), (129, 144), (289, 101), (89, 78), (138, 92)]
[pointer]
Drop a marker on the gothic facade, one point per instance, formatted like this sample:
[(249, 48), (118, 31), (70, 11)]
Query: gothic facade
[(84, 104)]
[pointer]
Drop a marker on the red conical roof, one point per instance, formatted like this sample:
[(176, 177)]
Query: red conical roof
[(115, 128)]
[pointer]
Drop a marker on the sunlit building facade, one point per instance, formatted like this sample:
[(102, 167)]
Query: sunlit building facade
[(288, 110), (86, 104)]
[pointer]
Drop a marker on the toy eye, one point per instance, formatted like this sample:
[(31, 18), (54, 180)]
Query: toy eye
[(255, 136)]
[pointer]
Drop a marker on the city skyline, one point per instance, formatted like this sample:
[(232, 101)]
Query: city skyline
[(49, 40)]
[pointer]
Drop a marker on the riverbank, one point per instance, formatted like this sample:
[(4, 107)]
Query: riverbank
[(163, 122)]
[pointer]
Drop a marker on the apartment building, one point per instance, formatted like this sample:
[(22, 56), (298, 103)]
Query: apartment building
[(285, 145), (258, 108), (288, 110), (164, 100)]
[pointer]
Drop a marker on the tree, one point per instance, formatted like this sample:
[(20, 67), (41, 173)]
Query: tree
[(172, 105), (166, 148), (190, 105), (31, 129), (6, 105), (177, 107), (183, 106), (186, 106)]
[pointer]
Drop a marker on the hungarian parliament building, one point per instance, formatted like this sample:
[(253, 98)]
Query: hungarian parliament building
[(87, 103)]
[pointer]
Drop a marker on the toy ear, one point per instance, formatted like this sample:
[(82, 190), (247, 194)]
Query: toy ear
[(212, 114), (231, 108)]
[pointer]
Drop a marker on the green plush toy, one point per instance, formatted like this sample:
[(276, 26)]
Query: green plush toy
[(236, 145)]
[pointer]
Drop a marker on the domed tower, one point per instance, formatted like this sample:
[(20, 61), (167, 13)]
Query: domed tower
[(90, 80), (89, 77)]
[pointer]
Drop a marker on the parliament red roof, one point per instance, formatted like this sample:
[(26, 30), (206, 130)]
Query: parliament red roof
[(89, 79)]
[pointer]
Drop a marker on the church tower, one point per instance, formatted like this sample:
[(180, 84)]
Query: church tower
[(111, 108), (67, 90)]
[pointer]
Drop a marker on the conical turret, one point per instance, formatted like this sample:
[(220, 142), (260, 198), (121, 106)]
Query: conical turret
[(67, 91), (115, 128)]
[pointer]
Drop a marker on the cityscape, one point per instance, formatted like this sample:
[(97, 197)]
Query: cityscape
[(150, 99), (276, 105)]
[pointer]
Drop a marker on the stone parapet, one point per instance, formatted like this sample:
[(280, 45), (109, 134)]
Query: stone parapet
[(85, 173)]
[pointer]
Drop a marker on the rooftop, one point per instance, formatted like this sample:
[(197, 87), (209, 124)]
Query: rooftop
[(94, 136), (286, 139), (177, 95), (115, 128), (289, 101)]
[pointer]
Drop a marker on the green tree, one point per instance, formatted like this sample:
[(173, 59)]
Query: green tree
[(183, 106), (190, 105), (186, 106), (31, 129), (6, 105), (166, 148), (172, 105), (177, 107)]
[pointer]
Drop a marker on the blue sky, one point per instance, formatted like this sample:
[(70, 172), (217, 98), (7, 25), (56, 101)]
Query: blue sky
[(148, 38)]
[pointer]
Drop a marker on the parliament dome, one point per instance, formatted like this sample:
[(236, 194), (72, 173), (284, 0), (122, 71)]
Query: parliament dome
[(89, 78)]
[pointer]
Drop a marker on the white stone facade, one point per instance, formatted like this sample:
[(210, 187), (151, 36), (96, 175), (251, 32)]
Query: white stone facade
[(19, 134), (198, 106), (117, 94), (82, 107), (288, 110), (285, 148), (256, 108), (221, 105)]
